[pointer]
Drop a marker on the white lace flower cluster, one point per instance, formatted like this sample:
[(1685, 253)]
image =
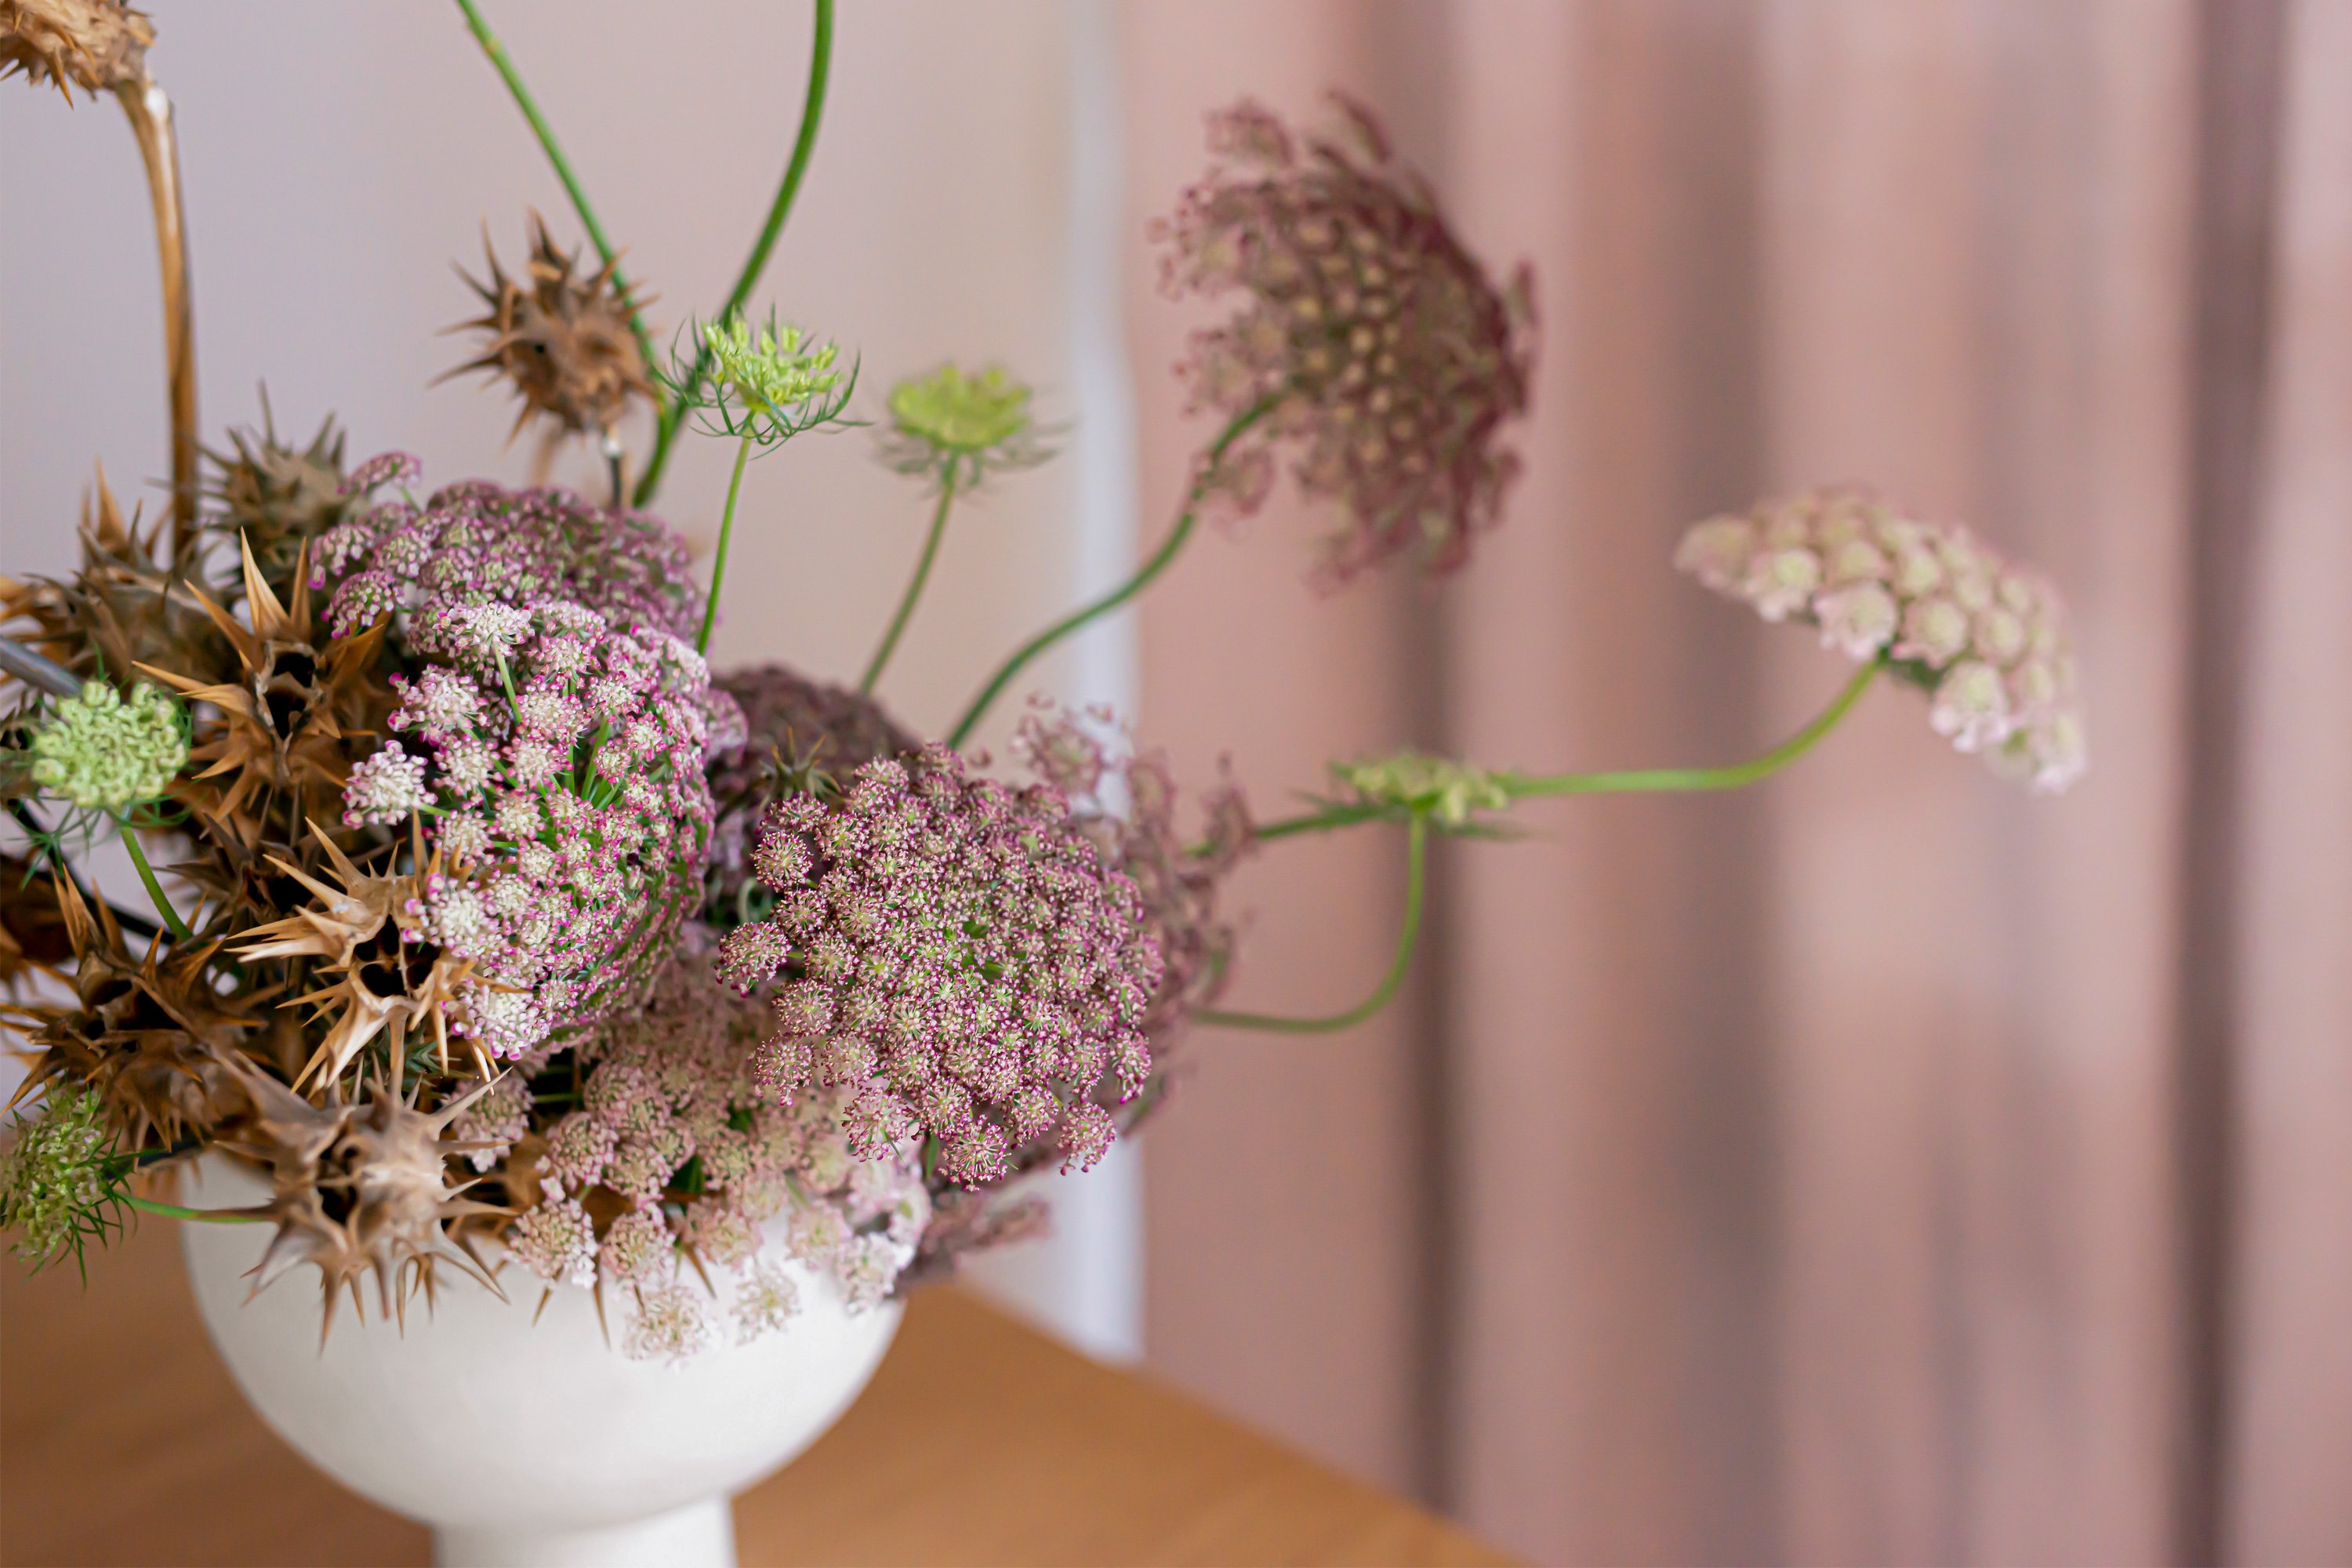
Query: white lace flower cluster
[(1987, 641)]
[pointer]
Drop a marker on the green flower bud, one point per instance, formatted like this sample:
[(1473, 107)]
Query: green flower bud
[(1446, 791), (959, 415), (56, 1184), (772, 383), (109, 754)]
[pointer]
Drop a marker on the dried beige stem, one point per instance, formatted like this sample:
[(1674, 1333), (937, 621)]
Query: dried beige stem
[(150, 111)]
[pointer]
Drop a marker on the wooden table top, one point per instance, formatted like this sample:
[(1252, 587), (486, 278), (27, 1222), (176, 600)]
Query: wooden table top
[(123, 1440)]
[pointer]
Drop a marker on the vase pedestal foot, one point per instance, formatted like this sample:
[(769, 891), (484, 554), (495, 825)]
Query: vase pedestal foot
[(699, 1535)]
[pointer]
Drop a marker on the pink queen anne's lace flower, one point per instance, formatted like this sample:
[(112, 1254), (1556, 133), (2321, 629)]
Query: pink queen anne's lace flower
[(570, 846), (1987, 641), (1387, 362), (964, 964)]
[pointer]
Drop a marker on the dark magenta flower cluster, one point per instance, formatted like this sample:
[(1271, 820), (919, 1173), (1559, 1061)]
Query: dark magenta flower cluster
[(1378, 350), (479, 542), (957, 954)]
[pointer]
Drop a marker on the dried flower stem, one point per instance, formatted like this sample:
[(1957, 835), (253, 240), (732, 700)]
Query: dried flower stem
[(914, 587), (149, 111), (1416, 866), (812, 111), (499, 58), (726, 533), (33, 669), (1731, 776), (1168, 549), (179, 928)]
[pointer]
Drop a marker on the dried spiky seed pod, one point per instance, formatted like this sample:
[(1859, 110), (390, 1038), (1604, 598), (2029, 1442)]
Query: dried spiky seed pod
[(125, 603), (95, 45), (359, 1188), (278, 497), (375, 978), (564, 342), (296, 712), (151, 1035)]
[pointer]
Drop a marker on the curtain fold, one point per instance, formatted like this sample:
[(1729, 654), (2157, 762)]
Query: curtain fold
[(1801, 1175)]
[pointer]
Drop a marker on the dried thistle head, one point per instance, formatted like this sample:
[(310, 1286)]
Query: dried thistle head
[(126, 603), (294, 713), (1369, 343), (276, 497), (358, 1188), (377, 979), (95, 45), (152, 1037), (563, 342)]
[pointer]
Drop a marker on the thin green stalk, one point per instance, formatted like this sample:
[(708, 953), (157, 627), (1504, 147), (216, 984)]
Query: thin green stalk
[(1522, 786), (812, 111), (1317, 821), (915, 587), (171, 920), (1086, 616), (726, 532), (497, 51), (1731, 776), (174, 1211), (1416, 859)]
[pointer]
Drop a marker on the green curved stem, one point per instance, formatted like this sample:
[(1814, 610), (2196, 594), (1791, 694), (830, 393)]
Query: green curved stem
[(174, 1211), (1731, 776), (812, 111), (1320, 821), (915, 587), (1520, 786), (1168, 549), (1416, 860), (726, 533), (497, 52), (172, 919)]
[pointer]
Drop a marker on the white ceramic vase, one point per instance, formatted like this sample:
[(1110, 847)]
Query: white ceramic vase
[(523, 1443)]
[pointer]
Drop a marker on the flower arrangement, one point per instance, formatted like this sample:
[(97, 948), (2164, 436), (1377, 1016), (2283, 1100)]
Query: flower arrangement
[(504, 937)]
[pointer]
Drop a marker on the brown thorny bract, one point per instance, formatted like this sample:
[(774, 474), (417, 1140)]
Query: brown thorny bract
[(278, 497), (561, 341), (95, 45)]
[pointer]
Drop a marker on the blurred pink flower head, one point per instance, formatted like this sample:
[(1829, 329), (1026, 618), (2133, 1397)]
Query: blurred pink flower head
[(1985, 640), (1386, 361)]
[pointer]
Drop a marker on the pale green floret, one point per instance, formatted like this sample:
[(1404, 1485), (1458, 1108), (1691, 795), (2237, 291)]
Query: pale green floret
[(1445, 791), (107, 753), (959, 415), (769, 373), (56, 1185)]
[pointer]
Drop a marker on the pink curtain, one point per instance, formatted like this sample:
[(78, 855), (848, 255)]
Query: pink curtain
[(1881, 1164)]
